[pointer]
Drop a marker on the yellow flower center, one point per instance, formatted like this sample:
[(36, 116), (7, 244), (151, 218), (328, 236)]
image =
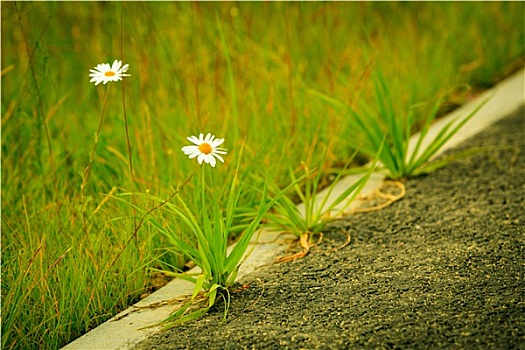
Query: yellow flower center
[(205, 148), (109, 73)]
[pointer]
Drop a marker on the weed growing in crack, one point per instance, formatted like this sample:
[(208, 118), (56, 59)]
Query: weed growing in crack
[(310, 218), (209, 231), (384, 124)]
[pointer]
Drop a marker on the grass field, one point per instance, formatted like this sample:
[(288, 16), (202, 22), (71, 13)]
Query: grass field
[(247, 72)]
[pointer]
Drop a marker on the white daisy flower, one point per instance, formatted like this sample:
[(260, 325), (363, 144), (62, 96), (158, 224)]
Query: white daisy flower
[(103, 72), (205, 149)]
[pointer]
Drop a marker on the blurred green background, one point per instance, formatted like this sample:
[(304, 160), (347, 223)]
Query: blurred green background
[(240, 70)]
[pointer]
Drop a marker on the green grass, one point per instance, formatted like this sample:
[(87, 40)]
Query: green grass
[(373, 127), (243, 71), (316, 213)]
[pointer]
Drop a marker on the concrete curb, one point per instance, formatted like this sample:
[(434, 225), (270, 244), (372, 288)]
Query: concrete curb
[(124, 330)]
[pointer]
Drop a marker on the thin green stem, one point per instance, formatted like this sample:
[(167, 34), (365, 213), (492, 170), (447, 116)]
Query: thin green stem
[(87, 171)]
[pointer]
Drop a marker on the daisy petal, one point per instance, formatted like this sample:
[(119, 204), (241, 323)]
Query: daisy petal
[(220, 151), (189, 149), (217, 142), (219, 157), (194, 140), (201, 157), (116, 65)]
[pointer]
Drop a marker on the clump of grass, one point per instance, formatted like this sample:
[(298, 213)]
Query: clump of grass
[(315, 213), (209, 231), (386, 123), (66, 267)]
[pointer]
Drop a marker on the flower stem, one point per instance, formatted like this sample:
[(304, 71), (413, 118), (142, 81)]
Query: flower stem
[(87, 171)]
